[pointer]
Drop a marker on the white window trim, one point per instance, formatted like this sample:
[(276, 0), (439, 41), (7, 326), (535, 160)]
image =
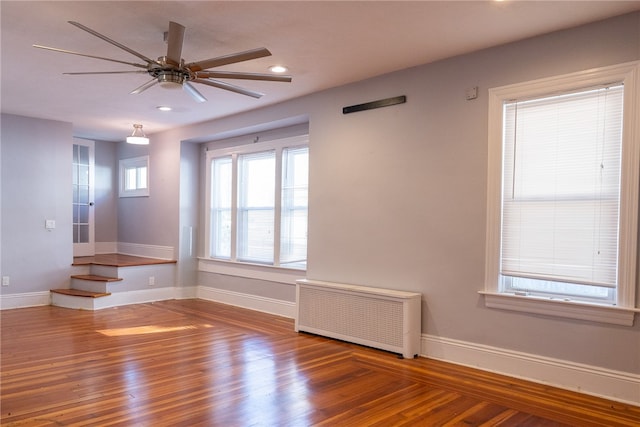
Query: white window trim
[(268, 273), (623, 313), (225, 266), (124, 164)]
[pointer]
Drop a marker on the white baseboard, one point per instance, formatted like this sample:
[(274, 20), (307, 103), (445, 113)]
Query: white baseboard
[(253, 302), (592, 380), (28, 299), (137, 249), (106, 247), (186, 292), (149, 251)]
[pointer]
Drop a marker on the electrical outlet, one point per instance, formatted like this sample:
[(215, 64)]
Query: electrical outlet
[(5, 280), (152, 280)]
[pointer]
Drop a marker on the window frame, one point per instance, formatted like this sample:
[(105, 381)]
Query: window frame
[(131, 163), (278, 146), (289, 208), (622, 312)]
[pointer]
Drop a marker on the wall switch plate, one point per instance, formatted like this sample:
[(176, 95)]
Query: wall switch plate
[(50, 224), (471, 93), (152, 280), (5, 280)]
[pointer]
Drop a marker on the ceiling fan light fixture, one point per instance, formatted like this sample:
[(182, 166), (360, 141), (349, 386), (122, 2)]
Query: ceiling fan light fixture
[(171, 80), (138, 137)]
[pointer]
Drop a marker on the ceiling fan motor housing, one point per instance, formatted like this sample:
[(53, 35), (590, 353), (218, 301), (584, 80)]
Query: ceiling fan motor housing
[(170, 76)]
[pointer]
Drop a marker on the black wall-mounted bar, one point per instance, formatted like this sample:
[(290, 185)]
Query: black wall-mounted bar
[(375, 104)]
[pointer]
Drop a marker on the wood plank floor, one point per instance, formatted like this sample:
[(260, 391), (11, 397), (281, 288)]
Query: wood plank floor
[(194, 362)]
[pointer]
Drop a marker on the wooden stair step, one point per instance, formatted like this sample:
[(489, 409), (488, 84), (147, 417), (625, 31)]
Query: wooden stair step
[(79, 293), (95, 278), (119, 260)]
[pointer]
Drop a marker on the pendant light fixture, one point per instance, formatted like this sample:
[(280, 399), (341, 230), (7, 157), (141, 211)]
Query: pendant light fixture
[(138, 137)]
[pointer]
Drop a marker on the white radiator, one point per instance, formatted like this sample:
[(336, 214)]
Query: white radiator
[(381, 318)]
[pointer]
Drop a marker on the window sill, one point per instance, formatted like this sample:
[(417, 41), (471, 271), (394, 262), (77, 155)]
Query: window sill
[(558, 308), (251, 271), (132, 194)]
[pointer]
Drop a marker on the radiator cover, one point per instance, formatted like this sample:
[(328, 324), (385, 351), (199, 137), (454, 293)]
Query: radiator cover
[(381, 318)]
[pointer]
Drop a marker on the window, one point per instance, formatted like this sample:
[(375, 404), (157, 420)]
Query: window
[(295, 190), (222, 183), (256, 207), (563, 188), (134, 177), (258, 203)]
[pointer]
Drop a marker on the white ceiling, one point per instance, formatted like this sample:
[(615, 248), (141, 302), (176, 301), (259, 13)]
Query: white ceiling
[(325, 44)]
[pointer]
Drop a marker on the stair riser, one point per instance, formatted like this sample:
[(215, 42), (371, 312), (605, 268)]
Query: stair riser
[(92, 285), (104, 270), (113, 300), (81, 269), (136, 278), (79, 303)]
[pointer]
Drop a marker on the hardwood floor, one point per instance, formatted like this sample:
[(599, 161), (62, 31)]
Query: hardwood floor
[(194, 362)]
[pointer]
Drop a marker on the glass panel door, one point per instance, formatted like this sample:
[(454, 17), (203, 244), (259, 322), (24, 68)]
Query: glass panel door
[(82, 187)]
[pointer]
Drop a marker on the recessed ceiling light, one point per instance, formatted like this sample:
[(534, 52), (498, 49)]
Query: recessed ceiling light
[(278, 69), (163, 108)]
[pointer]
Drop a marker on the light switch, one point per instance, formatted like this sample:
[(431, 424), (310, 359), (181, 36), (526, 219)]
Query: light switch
[(50, 224), (471, 93)]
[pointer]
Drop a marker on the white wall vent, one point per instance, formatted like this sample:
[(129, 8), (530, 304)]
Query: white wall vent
[(381, 318)]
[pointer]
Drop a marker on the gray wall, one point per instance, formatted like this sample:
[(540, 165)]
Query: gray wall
[(36, 186), (153, 220), (106, 191), (189, 209), (398, 194)]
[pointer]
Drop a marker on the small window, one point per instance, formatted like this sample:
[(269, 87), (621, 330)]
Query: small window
[(134, 177)]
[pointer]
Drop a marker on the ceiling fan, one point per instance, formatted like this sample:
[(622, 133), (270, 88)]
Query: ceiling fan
[(172, 71)]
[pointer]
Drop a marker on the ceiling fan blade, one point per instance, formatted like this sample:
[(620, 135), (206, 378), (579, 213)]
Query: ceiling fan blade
[(89, 56), (144, 87), (174, 42), (239, 75), (230, 87), (105, 72), (228, 59), (193, 92), (113, 42)]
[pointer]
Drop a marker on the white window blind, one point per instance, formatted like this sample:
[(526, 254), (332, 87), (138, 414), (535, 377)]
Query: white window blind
[(561, 187), (256, 206)]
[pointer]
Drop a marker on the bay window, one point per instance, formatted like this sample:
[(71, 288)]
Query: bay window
[(258, 203)]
